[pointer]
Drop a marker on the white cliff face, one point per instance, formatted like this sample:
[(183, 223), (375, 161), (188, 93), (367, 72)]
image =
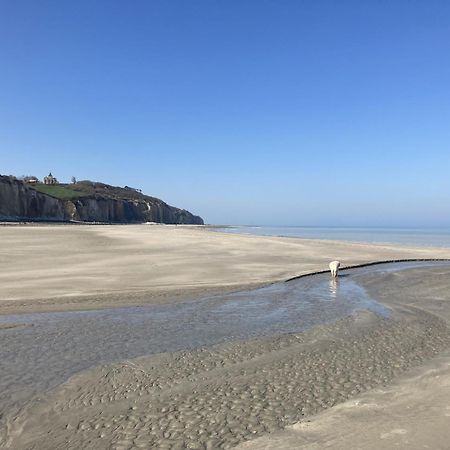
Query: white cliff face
[(19, 202), (131, 211)]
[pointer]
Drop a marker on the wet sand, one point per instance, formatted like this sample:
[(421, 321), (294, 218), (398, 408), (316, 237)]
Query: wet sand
[(219, 396), (222, 396), (412, 412), (42, 350)]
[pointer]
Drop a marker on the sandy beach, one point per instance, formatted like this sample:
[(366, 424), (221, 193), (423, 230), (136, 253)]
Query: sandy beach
[(69, 267), (382, 379)]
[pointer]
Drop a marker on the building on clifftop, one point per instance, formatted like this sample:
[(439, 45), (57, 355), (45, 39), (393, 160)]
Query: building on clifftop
[(50, 179), (31, 179)]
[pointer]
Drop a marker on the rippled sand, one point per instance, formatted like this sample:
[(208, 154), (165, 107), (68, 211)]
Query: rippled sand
[(412, 412), (42, 350), (223, 395)]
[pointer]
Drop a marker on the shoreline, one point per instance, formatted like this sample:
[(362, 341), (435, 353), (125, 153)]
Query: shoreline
[(123, 299), (349, 241)]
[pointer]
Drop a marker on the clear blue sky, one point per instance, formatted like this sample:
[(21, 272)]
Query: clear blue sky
[(264, 112)]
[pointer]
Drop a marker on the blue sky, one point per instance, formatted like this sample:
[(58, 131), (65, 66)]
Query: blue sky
[(258, 112)]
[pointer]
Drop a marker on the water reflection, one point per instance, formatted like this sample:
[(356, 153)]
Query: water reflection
[(333, 287)]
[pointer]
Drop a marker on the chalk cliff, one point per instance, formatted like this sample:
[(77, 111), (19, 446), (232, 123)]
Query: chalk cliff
[(85, 201)]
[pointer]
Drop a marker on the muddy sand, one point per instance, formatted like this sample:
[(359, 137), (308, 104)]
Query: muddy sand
[(287, 390)]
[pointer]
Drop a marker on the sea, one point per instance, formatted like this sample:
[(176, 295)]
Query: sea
[(423, 237)]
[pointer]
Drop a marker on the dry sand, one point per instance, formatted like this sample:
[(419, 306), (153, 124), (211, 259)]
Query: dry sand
[(63, 267), (221, 396)]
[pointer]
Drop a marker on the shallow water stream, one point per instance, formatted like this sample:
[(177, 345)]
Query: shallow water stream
[(47, 348)]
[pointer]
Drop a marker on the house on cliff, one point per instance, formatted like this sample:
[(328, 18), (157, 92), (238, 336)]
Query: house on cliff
[(31, 179), (50, 179)]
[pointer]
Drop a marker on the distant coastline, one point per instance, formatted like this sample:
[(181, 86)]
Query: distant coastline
[(423, 237)]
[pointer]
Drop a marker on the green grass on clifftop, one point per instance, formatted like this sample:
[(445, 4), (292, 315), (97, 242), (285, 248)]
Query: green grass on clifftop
[(61, 191)]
